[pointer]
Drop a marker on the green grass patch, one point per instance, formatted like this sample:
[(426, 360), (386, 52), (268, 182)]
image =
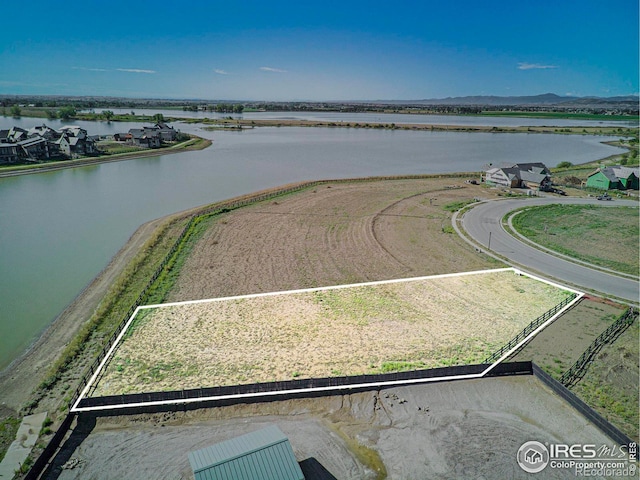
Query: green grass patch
[(455, 206), (610, 384), (8, 429), (605, 236), (576, 116)]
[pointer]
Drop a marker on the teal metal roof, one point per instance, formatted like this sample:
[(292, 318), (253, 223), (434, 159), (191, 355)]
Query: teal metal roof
[(262, 455)]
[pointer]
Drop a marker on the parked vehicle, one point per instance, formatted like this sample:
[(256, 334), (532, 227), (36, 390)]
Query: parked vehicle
[(604, 196)]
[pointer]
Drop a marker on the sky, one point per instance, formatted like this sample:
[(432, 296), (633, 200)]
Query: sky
[(319, 50)]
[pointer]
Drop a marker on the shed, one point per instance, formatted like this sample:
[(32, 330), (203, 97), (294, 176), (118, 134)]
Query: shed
[(261, 455)]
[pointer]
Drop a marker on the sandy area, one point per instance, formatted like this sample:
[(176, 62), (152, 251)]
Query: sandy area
[(348, 331), (463, 429)]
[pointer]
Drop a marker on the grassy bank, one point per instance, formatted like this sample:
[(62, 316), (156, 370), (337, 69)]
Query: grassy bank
[(240, 124), (610, 384), (604, 236), (564, 115)]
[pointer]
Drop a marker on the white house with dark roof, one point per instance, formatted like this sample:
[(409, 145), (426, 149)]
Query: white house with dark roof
[(531, 175)]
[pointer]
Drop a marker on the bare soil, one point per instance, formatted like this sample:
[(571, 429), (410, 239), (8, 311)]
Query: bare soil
[(334, 234), (463, 429), (423, 323)]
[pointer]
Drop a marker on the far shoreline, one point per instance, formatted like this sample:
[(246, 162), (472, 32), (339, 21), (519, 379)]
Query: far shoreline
[(198, 143)]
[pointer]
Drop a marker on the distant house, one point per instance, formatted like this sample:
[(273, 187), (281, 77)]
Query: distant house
[(122, 137), (34, 148), (167, 133), (79, 142), (503, 177), (614, 178), (44, 143), (45, 132), (145, 137), (534, 175), (8, 153), (531, 175), (17, 134)]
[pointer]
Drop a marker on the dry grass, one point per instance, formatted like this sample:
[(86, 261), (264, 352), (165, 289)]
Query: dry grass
[(367, 329)]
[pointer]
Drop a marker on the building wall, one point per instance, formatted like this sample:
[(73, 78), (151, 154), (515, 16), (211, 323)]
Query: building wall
[(600, 181)]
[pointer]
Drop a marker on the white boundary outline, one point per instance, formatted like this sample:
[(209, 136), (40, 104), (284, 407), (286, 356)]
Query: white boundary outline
[(76, 409)]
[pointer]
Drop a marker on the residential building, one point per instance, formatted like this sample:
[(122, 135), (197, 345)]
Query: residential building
[(614, 178), (519, 175)]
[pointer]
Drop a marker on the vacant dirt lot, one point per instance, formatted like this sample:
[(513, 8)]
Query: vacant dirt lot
[(464, 429), (348, 331), (335, 234)]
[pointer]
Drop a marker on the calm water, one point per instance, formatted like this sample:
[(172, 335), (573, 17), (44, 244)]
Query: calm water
[(59, 229)]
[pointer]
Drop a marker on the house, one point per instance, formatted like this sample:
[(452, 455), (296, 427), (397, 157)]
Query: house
[(63, 146), (122, 137), (260, 455), (16, 134), (627, 176), (44, 132), (503, 177), (145, 137), (534, 175), (167, 133), (8, 153), (614, 178), (34, 148), (525, 175), (44, 143), (79, 142)]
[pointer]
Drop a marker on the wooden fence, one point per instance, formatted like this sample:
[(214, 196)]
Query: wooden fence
[(528, 329), (577, 369)]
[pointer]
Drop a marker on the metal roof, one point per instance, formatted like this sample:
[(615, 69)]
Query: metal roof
[(262, 455)]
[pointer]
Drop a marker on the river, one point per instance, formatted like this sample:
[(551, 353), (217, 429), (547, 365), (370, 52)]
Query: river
[(59, 229)]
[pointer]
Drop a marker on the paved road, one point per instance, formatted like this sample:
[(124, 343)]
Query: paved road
[(484, 221)]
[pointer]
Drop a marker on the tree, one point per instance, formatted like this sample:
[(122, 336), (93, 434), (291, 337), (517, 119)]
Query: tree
[(15, 111), (108, 115), (238, 108), (158, 118), (65, 113), (564, 165), (52, 114)]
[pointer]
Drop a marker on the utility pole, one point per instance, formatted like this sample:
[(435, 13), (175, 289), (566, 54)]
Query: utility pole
[(489, 245)]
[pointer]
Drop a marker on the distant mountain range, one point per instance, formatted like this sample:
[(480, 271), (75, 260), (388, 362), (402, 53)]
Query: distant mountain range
[(544, 99)]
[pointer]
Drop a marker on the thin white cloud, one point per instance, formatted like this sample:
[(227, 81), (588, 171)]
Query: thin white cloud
[(534, 66), (90, 69), (271, 69), (135, 70), (221, 72)]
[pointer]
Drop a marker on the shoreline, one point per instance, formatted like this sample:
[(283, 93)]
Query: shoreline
[(14, 171), (21, 377)]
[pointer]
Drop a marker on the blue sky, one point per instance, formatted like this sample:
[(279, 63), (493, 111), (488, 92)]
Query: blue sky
[(329, 50)]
